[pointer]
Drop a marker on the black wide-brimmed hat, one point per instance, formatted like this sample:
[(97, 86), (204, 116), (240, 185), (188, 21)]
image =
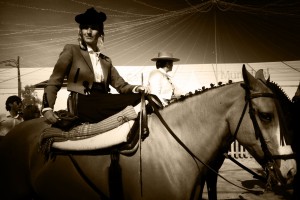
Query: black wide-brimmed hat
[(91, 16), (165, 56)]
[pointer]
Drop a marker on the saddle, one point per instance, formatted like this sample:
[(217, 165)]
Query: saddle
[(67, 121), (127, 148), (133, 137)]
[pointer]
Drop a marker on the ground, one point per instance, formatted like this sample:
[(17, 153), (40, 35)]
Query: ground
[(244, 179)]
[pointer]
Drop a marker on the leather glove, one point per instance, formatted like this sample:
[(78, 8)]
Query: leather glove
[(144, 89), (50, 116)]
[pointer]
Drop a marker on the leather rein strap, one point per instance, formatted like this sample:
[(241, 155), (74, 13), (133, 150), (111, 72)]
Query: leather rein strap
[(269, 159), (156, 111)]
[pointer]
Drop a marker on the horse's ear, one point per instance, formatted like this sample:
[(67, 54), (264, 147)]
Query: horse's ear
[(297, 94), (260, 75), (249, 80), (296, 98)]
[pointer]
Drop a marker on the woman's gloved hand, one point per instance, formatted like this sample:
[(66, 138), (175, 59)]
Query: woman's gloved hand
[(50, 116), (141, 89)]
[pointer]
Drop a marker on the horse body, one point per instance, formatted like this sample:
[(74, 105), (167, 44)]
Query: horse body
[(165, 170), (163, 159)]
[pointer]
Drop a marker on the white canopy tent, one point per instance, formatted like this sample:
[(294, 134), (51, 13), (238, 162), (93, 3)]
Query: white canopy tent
[(189, 77)]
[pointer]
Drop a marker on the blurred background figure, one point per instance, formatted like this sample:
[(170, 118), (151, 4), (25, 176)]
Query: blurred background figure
[(31, 112), (8, 121)]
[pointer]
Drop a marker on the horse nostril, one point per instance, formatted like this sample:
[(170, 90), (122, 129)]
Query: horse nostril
[(291, 173), (278, 184)]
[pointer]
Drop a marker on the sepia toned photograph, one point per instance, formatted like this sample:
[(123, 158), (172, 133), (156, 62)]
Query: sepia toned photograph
[(149, 100)]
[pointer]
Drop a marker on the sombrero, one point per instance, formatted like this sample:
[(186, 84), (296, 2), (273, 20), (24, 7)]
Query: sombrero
[(165, 56)]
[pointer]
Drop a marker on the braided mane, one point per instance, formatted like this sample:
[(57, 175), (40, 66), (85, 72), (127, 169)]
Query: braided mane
[(198, 92), (285, 104), (280, 94), (284, 100)]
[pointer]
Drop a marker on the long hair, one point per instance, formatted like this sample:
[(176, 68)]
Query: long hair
[(82, 43)]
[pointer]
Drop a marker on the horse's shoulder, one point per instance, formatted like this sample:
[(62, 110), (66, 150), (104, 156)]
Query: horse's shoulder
[(36, 123)]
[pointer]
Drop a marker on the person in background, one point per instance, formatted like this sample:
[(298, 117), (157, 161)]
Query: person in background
[(14, 106), (89, 73), (31, 112), (160, 82)]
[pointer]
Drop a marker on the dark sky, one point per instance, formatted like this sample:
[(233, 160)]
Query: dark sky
[(196, 31)]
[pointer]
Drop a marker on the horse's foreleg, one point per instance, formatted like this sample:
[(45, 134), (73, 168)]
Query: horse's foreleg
[(212, 177), (198, 187), (211, 184)]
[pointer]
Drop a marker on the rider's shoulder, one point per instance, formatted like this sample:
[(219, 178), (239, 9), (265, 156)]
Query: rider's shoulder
[(104, 57), (156, 73)]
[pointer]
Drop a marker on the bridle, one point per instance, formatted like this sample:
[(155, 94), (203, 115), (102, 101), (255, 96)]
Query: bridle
[(269, 159), (258, 134)]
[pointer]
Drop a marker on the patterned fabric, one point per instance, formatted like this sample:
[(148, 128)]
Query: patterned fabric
[(116, 120), (83, 131)]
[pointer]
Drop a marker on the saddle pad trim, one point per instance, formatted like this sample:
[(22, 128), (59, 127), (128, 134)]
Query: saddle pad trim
[(104, 140)]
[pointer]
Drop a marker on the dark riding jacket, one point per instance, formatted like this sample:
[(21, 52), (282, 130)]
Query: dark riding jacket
[(75, 64)]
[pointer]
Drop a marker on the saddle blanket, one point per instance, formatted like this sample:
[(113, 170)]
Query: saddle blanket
[(110, 138)]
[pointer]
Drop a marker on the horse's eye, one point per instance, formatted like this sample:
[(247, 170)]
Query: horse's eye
[(266, 117)]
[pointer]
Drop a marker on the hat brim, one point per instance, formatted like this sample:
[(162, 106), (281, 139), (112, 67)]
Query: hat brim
[(91, 16), (165, 58), (82, 19)]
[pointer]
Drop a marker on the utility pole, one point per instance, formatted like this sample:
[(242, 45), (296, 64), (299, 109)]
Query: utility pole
[(14, 63), (19, 76)]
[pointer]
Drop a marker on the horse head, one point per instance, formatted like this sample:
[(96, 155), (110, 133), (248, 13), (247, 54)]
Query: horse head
[(265, 144)]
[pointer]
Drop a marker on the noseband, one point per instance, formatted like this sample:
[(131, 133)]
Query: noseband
[(269, 159), (248, 97), (258, 134)]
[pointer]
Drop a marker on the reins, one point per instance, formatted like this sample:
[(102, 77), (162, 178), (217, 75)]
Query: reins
[(156, 111), (268, 158)]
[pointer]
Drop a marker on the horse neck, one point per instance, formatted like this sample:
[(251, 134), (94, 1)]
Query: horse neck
[(202, 119)]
